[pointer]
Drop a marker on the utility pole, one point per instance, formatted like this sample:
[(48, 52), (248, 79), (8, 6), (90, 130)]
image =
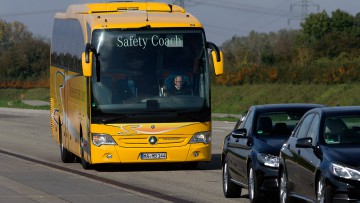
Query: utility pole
[(305, 5), (179, 3)]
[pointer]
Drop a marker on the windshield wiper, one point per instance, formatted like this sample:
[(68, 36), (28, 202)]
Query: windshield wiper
[(115, 118), (119, 117)]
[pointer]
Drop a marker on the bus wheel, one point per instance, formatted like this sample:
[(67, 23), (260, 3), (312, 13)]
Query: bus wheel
[(84, 163), (66, 156)]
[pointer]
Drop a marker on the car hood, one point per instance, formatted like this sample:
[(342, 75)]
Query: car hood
[(268, 145), (345, 155)]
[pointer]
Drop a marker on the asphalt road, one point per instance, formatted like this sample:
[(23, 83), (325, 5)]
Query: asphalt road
[(26, 132)]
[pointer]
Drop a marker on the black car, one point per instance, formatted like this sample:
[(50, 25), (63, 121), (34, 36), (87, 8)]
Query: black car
[(320, 162), (250, 152)]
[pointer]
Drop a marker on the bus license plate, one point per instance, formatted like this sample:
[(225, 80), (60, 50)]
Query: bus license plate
[(153, 155)]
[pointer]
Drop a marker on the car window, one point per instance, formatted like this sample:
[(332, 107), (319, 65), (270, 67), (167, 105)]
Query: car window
[(314, 129), (241, 121), (302, 130), (277, 123), (342, 129), (248, 120)]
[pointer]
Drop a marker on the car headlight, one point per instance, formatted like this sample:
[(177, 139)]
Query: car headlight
[(344, 172), (268, 160), (201, 137), (102, 139)]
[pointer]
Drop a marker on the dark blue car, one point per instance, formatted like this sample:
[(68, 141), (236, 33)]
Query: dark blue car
[(320, 162), (250, 155)]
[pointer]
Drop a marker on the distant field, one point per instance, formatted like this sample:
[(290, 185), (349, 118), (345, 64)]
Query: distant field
[(237, 99), (233, 99), (12, 98)]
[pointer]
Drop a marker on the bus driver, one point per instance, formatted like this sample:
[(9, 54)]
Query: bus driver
[(179, 88)]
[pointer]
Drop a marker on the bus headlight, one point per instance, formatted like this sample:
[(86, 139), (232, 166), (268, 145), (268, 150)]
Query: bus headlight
[(102, 139), (201, 137)]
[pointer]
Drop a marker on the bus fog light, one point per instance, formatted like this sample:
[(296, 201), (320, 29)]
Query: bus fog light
[(109, 156), (196, 154), (201, 137), (102, 139)]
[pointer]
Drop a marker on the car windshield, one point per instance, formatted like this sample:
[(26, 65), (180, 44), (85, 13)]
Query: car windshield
[(278, 124), (342, 130)]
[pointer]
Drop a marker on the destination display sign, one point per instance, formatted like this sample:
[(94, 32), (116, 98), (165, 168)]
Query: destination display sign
[(144, 41)]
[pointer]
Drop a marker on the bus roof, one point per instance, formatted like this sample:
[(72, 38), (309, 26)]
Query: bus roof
[(131, 15)]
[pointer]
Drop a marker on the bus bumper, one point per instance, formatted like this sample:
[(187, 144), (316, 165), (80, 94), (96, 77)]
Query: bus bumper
[(198, 152)]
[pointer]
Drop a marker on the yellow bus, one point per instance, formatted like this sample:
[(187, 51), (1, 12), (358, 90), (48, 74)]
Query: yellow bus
[(112, 69)]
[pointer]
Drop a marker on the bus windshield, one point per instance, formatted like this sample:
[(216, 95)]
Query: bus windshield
[(136, 71)]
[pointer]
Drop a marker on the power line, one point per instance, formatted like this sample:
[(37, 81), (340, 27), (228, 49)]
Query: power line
[(304, 4), (228, 4), (241, 7)]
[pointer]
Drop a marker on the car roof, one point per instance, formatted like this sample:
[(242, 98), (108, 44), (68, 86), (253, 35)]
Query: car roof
[(274, 107), (337, 110)]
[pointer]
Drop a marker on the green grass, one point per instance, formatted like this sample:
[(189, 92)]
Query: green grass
[(228, 118), (236, 100), (12, 98)]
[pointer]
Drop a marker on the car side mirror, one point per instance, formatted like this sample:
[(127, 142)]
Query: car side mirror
[(304, 142), (239, 133)]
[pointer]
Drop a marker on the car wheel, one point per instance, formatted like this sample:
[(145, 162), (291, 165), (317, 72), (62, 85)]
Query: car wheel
[(254, 193), (230, 189), (84, 163), (283, 188), (322, 195), (66, 156)]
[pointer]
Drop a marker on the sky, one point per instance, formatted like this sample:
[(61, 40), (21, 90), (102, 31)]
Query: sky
[(222, 19)]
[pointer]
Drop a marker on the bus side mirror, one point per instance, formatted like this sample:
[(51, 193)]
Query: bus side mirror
[(86, 59), (218, 63), (217, 58)]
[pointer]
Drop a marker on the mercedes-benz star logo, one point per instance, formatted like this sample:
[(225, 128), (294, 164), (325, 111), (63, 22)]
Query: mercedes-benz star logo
[(153, 140)]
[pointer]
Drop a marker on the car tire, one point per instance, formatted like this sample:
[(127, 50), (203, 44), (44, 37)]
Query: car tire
[(230, 189), (255, 195), (283, 190), (323, 195), (66, 156)]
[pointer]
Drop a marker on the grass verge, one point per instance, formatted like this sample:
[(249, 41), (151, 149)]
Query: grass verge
[(12, 98)]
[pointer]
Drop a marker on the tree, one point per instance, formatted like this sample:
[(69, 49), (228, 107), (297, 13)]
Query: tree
[(284, 45), (22, 57), (341, 21), (316, 26)]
